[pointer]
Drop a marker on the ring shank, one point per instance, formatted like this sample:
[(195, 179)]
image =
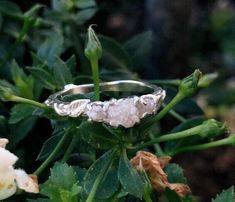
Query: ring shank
[(115, 86), (124, 112)]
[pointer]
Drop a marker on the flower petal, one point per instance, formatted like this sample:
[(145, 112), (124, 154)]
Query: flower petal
[(3, 142), (154, 169), (26, 182), (7, 159), (7, 183)]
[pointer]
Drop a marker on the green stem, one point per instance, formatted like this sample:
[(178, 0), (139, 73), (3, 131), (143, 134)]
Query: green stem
[(52, 156), (146, 126), (70, 148), (174, 82), (209, 145), (172, 136), (95, 74), (20, 38), (15, 98), (99, 178), (147, 198), (177, 116)]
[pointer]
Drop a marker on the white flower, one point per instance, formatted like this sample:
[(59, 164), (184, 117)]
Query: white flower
[(11, 178)]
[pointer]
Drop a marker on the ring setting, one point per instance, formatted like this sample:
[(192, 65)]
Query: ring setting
[(124, 112)]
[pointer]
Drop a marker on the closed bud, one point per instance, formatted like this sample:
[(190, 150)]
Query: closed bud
[(207, 79), (232, 140), (6, 91), (212, 128), (93, 49), (189, 85)]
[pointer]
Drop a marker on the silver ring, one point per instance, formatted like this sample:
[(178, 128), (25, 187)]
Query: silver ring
[(124, 112)]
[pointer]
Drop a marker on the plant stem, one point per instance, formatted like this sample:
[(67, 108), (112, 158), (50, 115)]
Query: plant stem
[(147, 198), (15, 98), (172, 136), (19, 39), (209, 145), (174, 82), (146, 126), (177, 116), (70, 148), (99, 178), (52, 156), (95, 74)]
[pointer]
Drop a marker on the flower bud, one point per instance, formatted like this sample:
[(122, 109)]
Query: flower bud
[(212, 128), (232, 140), (6, 90), (189, 85), (207, 79), (93, 49)]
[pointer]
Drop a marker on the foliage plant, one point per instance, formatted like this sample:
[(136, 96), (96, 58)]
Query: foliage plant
[(74, 159)]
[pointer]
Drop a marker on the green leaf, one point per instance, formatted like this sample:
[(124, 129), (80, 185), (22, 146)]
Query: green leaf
[(109, 184), (43, 77), (225, 196), (20, 112), (6, 90), (62, 73), (3, 126), (38, 200), (51, 48), (172, 196), (96, 135), (82, 16), (71, 64), (82, 4), (11, 9), (50, 144), (24, 83), (21, 129), (62, 184), (129, 178), (139, 48), (117, 74), (175, 173), (114, 55)]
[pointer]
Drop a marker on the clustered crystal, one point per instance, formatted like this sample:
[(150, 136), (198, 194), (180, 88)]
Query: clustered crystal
[(124, 112)]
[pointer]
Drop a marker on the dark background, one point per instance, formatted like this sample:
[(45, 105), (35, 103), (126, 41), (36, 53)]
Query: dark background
[(188, 34)]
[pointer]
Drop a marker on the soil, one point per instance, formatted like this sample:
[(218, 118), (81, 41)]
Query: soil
[(208, 172)]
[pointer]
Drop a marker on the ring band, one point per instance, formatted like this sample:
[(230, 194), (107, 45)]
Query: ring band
[(124, 112)]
